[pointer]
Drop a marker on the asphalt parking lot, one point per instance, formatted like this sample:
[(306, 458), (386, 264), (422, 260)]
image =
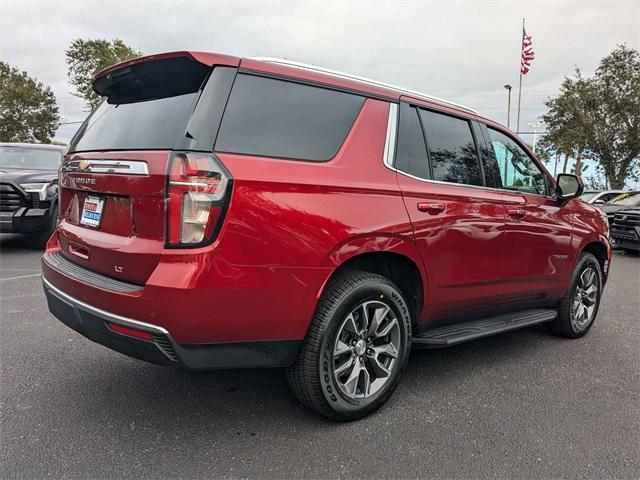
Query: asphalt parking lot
[(520, 405)]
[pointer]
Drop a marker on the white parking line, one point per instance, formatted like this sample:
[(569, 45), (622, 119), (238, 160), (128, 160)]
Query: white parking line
[(20, 277), (19, 269)]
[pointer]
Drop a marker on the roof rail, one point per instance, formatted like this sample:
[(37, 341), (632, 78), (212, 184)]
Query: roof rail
[(335, 73)]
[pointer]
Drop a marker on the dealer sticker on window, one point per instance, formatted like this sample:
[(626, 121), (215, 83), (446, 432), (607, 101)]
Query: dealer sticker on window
[(92, 211)]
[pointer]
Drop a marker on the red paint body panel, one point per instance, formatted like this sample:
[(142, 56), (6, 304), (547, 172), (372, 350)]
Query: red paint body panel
[(460, 245), (290, 224), (131, 234), (289, 213), (541, 268)]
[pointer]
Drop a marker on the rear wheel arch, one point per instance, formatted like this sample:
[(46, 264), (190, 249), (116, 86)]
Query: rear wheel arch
[(399, 268)]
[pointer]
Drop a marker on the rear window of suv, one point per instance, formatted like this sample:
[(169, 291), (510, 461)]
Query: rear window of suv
[(277, 118), (151, 124)]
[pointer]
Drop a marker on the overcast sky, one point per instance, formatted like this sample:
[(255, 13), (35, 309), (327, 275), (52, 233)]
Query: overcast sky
[(464, 51)]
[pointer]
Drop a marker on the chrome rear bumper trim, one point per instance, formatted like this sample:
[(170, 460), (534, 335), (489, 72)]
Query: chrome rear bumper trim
[(108, 316)]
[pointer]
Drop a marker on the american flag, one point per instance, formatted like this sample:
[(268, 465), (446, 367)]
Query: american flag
[(527, 53)]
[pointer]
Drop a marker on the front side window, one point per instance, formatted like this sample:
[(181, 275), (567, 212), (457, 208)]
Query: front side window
[(452, 149), (518, 171), (277, 118)]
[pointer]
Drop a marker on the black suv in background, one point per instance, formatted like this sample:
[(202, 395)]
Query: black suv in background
[(29, 189), (625, 230), (623, 201)]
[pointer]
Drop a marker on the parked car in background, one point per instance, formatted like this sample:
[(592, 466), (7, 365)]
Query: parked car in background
[(620, 202), (224, 212), (29, 189), (625, 230), (600, 196)]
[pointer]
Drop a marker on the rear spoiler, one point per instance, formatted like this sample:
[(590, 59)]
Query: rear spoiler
[(157, 76)]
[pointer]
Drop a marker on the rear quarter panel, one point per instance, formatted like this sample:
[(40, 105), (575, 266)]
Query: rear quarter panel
[(287, 213)]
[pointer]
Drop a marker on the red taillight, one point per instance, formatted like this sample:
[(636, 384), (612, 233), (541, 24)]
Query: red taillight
[(197, 195)]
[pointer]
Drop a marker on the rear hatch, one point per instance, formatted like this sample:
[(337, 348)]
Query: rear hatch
[(113, 187)]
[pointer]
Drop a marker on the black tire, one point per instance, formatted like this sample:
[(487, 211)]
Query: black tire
[(312, 379), (40, 239), (565, 324)]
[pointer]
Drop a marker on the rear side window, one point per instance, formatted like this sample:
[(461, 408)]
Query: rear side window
[(411, 153), (452, 150), (276, 118)]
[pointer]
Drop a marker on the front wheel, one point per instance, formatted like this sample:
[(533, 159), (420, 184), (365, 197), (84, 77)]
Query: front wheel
[(356, 347), (579, 307)]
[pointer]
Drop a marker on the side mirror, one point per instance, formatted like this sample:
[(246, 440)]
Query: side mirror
[(569, 186), (599, 202)]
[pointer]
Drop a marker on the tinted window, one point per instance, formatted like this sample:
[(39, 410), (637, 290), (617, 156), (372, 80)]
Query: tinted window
[(586, 196), (276, 118), (607, 197), (153, 124), (631, 200), (25, 157), (411, 153), (452, 150), (488, 160), (518, 171)]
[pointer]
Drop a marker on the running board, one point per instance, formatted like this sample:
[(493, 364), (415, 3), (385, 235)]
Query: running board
[(449, 335)]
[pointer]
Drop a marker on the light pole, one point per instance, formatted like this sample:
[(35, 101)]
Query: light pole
[(508, 87), (535, 126)]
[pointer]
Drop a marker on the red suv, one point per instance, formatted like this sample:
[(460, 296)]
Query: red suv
[(218, 212)]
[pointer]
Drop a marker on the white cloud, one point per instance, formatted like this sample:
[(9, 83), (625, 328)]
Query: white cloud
[(461, 50)]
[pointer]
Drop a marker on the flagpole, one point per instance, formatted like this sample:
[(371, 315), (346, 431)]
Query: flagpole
[(520, 84)]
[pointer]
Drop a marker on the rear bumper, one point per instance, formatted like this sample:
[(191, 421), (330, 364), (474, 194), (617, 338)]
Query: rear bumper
[(25, 220), (161, 348), (198, 296)]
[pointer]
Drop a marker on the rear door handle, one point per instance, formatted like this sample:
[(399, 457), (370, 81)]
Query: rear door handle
[(432, 208), (516, 212)]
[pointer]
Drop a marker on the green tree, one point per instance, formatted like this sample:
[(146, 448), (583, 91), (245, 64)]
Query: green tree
[(543, 151), (85, 58), (599, 117), (614, 139), (567, 121), (28, 109)]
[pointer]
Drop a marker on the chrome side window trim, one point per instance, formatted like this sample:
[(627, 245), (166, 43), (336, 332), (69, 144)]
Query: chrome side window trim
[(390, 139), (389, 159), (481, 187), (123, 167)]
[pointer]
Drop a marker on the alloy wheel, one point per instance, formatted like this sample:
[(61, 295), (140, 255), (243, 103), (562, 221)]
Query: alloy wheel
[(585, 299), (366, 349)]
